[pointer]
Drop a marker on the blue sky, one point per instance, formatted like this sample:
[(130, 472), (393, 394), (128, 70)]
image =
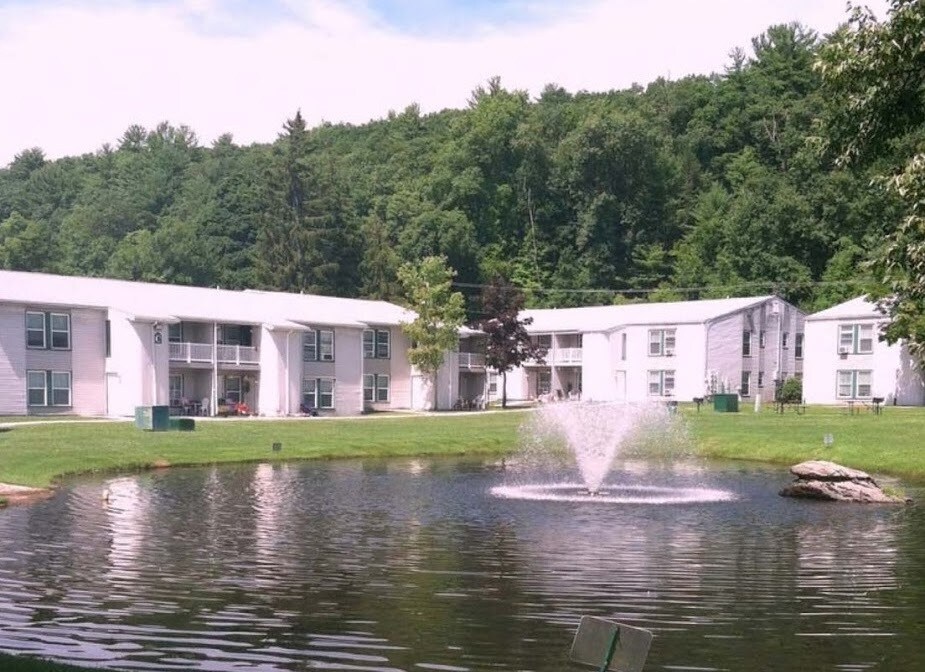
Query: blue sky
[(81, 71)]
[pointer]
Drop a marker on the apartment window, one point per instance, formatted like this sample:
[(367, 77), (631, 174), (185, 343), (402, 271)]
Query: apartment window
[(745, 389), (318, 393), (854, 384), (375, 387), (661, 342), (623, 346), (326, 345), (661, 383), (37, 388), (233, 389), (35, 330), (760, 379), (543, 382), (108, 338), (855, 339), (376, 344), (175, 333), (48, 388), (746, 344), (761, 339), (382, 388), (798, 346), (492, 383), (784, 339), (310, 346), (176, 389), (44, 330)]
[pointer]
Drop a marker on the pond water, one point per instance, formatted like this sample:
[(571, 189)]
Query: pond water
[(415, 565)]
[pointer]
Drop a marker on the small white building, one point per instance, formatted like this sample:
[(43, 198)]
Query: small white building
[(663, 351), (847, 361)]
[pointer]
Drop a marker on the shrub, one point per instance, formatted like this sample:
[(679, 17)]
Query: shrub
[(791, 391)]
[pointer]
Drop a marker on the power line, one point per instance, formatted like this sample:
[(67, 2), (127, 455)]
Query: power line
[(705, 288)]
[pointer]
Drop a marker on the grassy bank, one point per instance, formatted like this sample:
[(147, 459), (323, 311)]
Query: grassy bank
[(35, 455)]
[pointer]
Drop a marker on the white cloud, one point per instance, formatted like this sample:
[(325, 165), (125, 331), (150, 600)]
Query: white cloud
[(75, 76)]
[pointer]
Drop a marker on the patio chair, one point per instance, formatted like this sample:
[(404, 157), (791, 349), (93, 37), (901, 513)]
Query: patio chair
[(204, 407)]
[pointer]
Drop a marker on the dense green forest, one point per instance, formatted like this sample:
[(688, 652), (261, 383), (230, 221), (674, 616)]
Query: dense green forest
[(704, 186)]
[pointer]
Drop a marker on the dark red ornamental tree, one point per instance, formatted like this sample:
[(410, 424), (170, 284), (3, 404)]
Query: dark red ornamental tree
[(509, 344)]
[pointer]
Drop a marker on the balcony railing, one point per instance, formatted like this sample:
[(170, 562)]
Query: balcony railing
[(202, 353), (471, 360), (567, 355)]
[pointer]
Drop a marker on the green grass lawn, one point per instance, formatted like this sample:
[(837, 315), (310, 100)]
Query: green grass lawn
[(891, 443)]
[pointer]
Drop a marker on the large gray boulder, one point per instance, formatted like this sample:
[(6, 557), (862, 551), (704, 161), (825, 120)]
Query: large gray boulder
[(819, 479)]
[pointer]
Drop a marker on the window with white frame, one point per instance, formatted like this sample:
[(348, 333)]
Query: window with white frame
[(233, 389), (326, 345), (661, 383), (382, 388), (854, 384), (661, 342), (761, 339), (376, 388), (48, 330), (60, 331), (492, 383), (37, 388), (746, 343), (60, 388), (310, 346), (318, 393), (176, 389), (745, 389), (48, 388), (785, 339), (35, 330), (377, 344), (760, 379), (857, 339), (798, 346)]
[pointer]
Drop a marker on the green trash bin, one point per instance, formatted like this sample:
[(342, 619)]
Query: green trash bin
[(726, 403), (152, 418)]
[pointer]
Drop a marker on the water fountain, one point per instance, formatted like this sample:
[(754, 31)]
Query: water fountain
[(593, 435)]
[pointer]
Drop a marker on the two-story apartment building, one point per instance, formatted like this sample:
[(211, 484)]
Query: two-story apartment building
[(95, 346), (676, 350), (847, 361)]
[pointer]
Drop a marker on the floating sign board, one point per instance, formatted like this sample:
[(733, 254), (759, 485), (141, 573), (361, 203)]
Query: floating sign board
[(608, 645)]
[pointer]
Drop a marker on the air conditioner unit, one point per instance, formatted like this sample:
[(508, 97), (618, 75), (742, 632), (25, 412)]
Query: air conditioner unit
[(843, 351), (669, 352)]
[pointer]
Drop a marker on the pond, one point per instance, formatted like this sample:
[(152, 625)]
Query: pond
[(415, 565)]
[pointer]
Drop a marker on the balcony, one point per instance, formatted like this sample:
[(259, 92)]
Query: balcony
[(201, 353), (567, 356), (471, 360)]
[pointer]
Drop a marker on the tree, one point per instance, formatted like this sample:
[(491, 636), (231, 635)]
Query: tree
[(874, 72), (428, 286), (509, 344)]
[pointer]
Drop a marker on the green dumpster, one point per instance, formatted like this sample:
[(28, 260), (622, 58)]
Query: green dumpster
[(726, 403), (152, 418)]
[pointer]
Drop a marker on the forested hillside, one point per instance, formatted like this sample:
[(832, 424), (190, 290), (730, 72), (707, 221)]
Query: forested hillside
[(700, 187)]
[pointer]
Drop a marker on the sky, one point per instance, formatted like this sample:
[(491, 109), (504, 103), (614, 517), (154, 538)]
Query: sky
[(76, 73)]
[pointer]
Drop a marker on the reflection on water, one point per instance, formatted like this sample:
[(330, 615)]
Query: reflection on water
[(414, 565)]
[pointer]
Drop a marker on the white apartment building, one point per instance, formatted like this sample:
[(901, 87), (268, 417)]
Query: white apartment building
[(663, 351), (93, 346), (847, 361)]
